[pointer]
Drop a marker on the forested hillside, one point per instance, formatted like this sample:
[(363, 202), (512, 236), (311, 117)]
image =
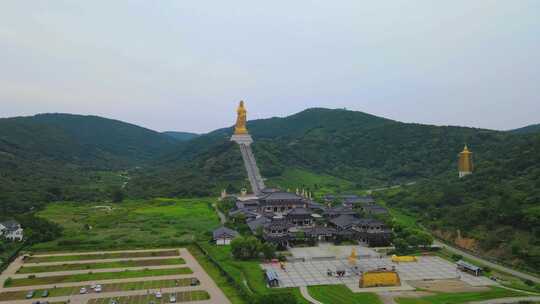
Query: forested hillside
[(527, 129), (364, 149), (496, 210), (181, 136), (60, 156)]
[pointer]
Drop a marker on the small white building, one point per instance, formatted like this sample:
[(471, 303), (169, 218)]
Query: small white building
[(11, 230), (224, 236)]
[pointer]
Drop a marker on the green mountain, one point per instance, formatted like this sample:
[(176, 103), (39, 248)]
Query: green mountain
[(358, 147), (53, 156), (496, 210), (527, 129), (181, 136)]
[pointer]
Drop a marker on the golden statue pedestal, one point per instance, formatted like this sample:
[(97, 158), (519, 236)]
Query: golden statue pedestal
[(244, 139)]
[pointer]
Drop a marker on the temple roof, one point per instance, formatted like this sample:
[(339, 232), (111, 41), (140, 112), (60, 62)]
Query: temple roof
[(224, 232), (281, 195)]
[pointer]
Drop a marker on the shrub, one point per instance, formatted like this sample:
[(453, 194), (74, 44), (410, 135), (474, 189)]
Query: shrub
[(457, 257)]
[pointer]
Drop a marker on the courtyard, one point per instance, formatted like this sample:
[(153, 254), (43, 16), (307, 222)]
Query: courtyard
[(311, 266)]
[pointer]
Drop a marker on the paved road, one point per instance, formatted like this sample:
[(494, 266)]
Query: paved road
[(305, 293), (488, 263), (207, 284), (509, 300)]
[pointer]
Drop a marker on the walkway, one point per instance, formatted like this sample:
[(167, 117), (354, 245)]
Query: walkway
[(488, 263), (305, 293)]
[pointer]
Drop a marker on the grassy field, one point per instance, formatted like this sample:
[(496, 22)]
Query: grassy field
[(100, 256), (105, 265), (462, 297), (66, 291), (341, 294), (96, 276), (131, 224), (185, 296), (247, 272)]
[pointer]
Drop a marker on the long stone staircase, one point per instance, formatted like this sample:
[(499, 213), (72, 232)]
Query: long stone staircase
[(254, 175)]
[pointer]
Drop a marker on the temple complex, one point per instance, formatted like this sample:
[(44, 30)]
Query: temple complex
[(465, 162), (285, 218)]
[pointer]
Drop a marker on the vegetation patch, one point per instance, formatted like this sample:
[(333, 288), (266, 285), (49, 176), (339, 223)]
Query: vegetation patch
[(462, 297), (151, 223), (89, 266), (248, 273), (95, 276), (100, 256), (340, 294)]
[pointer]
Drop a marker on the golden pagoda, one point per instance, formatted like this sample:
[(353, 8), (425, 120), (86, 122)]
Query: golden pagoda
[(465, 162), (241, 118)]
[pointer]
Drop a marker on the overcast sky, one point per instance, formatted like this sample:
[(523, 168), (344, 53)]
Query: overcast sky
[(184, 65)]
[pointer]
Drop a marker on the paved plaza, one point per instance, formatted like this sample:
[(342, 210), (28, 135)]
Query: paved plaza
[(315, 271), (330, 250)]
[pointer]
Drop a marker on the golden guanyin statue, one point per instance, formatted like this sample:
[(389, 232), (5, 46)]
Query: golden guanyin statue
[(240, 127)]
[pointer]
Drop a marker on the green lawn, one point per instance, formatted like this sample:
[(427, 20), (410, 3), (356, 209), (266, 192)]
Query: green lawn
[(113, 287), (100, 256), (341, 294), (462, 297), (249, 272), (151, 223), (96, 276), (90, 266)]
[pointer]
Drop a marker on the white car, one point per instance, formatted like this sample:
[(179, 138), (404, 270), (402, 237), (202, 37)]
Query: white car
[(159, 295), (98, 288), (172, 299), (83, 291)]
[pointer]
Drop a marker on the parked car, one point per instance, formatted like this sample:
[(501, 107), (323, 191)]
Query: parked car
[(45, 293), (98, 288), (159, 295), (172, 299), (113, 302), (30, 294), (83, 291)]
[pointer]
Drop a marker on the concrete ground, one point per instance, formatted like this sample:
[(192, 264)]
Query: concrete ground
[(206, 284), (314, 272), (327, 250)]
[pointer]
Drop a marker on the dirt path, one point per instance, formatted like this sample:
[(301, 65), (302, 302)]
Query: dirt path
[(222, 217), (206, 284)]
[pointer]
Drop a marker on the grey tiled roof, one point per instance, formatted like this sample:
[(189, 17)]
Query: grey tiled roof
[(281, 196), (258, 222), (224, 232), (345, 221)]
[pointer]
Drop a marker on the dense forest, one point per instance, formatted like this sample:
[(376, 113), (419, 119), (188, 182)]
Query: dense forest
[(496, 210), (53, 157), (83, 158)]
